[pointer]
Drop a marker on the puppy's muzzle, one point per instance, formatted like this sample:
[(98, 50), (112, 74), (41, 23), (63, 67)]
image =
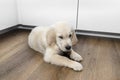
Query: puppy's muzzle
[(68, 47)]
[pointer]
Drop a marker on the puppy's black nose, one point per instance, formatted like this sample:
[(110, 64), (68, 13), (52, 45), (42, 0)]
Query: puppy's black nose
[(68, 47)]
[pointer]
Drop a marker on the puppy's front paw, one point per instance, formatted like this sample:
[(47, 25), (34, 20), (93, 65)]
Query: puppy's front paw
[(76, 66), (76, 57)]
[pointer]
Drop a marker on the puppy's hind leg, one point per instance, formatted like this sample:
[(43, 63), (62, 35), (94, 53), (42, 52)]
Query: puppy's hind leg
[(61, 61)]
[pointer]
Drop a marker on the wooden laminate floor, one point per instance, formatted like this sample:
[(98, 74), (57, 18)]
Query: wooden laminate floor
[(19, 62)]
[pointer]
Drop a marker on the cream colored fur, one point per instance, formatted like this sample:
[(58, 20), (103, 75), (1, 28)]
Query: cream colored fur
[(47, 41)]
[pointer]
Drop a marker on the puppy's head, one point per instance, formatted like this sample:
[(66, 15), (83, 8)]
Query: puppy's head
[(62, 35)]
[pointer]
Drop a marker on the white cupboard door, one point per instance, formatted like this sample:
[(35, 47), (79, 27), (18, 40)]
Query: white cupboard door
[(99, 15), (47, 12)]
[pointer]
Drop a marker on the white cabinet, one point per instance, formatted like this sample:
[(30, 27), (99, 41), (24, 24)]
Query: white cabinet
[(99, 15), (8, 13), (94, 15), (47, 12)]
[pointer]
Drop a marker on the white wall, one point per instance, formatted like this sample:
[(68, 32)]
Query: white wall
[(8, 13), (99, 15), (95, 15), (47, 12)]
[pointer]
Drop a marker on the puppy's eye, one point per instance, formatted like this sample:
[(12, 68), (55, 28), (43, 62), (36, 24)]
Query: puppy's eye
[(60, 37), (70, 35)]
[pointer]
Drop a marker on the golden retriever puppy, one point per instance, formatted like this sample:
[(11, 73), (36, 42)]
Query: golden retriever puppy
[(53, 40)]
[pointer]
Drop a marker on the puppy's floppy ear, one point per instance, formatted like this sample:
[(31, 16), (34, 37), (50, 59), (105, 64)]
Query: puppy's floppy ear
[(74, 38), (51, 37)]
